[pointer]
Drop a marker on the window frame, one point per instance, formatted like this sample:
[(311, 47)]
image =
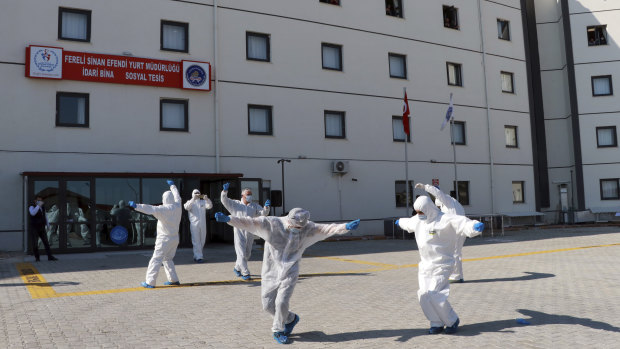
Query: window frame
[(459, 74), (512, 82), (404, 61), (617, 180), (400, 119), (185, 103), (499, 34), (522, 183), (615, 143), (269, 108), (611, 86), (177, 24), (88, 14), (605, 34), (247, 44), (411, 193), (343, 128), (464, 133), (339, 47), (456, 11), (86, 109), (399, 11), (516, 132), (463, 201)]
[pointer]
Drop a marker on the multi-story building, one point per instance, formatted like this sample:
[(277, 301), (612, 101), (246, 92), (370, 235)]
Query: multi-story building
[(579, 55), (316, 82)]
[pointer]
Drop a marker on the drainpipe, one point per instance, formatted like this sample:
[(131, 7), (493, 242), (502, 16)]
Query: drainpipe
[(486, 102), (216, 110)]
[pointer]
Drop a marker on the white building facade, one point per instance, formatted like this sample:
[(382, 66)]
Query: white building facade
[(315, 83)]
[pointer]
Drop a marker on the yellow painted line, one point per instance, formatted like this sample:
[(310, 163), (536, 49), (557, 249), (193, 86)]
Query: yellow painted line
[(35, 282), (40, 288), (354, 261)]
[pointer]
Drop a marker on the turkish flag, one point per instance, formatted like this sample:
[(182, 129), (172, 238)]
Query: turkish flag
[(406, 115)]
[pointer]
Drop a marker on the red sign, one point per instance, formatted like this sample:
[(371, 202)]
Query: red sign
[(97, 67), (436, 181)]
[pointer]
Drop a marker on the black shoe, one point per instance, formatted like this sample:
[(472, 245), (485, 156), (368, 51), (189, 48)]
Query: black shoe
[(452, 329), (52, 258), (435, 330)]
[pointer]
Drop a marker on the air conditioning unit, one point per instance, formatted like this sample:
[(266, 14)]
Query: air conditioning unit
[(340, 166)]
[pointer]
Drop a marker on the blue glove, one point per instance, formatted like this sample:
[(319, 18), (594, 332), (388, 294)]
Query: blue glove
[(397, 221), (170, 182), (226, 185), (220, 217), (353, 224), (132, 204), (267, 203), (479, 226)]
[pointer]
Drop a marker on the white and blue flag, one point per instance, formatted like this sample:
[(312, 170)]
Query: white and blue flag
[(448, 114)]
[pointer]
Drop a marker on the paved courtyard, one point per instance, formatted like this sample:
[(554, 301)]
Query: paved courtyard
[(353, 294)]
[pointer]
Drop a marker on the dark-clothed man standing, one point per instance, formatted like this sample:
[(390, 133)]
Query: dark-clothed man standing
[(38, 222)]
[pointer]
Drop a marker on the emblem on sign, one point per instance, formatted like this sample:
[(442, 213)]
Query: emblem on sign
[(46, 60), (195, 75)]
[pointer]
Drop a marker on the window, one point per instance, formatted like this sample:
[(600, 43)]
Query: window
[(601, 86), (606, 137), (454, 74), (450, 17), (259, 120), (331, 2), (257, 47), (173, 115), (518, 196), (398, 130), (609, 189), (394, 8), (597, 35), (334, 124), (507, 82), (398, 66), (174, 36), (72, 109), (503, 29), (458, 133), (463, 192), (401, 193), (74, 24), (511, 136), (332, 56)]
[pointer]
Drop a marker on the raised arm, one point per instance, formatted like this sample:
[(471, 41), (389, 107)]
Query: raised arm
[(466, 226), (443, 197), (229, 204), (259, 226), (33, 209), (189, 204), (175, 193), (208, 203)]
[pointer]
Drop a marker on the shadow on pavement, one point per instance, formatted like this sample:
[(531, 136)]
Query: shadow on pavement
[(530, 276), (43, 284), (536, 318)]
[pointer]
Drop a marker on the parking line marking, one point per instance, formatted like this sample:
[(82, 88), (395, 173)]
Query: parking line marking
[(39, 288)]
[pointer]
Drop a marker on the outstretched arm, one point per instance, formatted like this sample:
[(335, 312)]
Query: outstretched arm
[(465, 226), (408, 224), (259, 226)]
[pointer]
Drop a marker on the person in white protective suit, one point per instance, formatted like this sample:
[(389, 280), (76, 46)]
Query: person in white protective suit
[(286, 238), (168, 218), (244, 240), (436, 234), (197, 211), (448, 204)]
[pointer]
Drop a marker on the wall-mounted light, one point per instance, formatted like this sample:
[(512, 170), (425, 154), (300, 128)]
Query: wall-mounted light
[(354, 179)]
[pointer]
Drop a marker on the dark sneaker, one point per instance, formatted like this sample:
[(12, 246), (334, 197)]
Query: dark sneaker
[(288, 328), (435, 330), (169, 283), (199, 260), (452, 329), (52, 258), (280, 337)]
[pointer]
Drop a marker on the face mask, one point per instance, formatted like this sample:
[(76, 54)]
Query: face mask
[(422, 217), (39, 202), (294, 230), (248, 198)]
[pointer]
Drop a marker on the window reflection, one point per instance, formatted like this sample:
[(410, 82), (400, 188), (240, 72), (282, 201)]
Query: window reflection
[(77, 214), (112, 210)]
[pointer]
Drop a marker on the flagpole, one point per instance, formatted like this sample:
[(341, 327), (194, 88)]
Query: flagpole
[(406, 164)]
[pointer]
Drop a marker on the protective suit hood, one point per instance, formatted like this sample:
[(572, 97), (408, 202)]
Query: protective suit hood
[(195, 192), (167, 198), (298, 217), (426, 205)]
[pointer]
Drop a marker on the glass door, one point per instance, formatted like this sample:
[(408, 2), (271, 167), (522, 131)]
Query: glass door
[(49, 190), (76, 214)]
